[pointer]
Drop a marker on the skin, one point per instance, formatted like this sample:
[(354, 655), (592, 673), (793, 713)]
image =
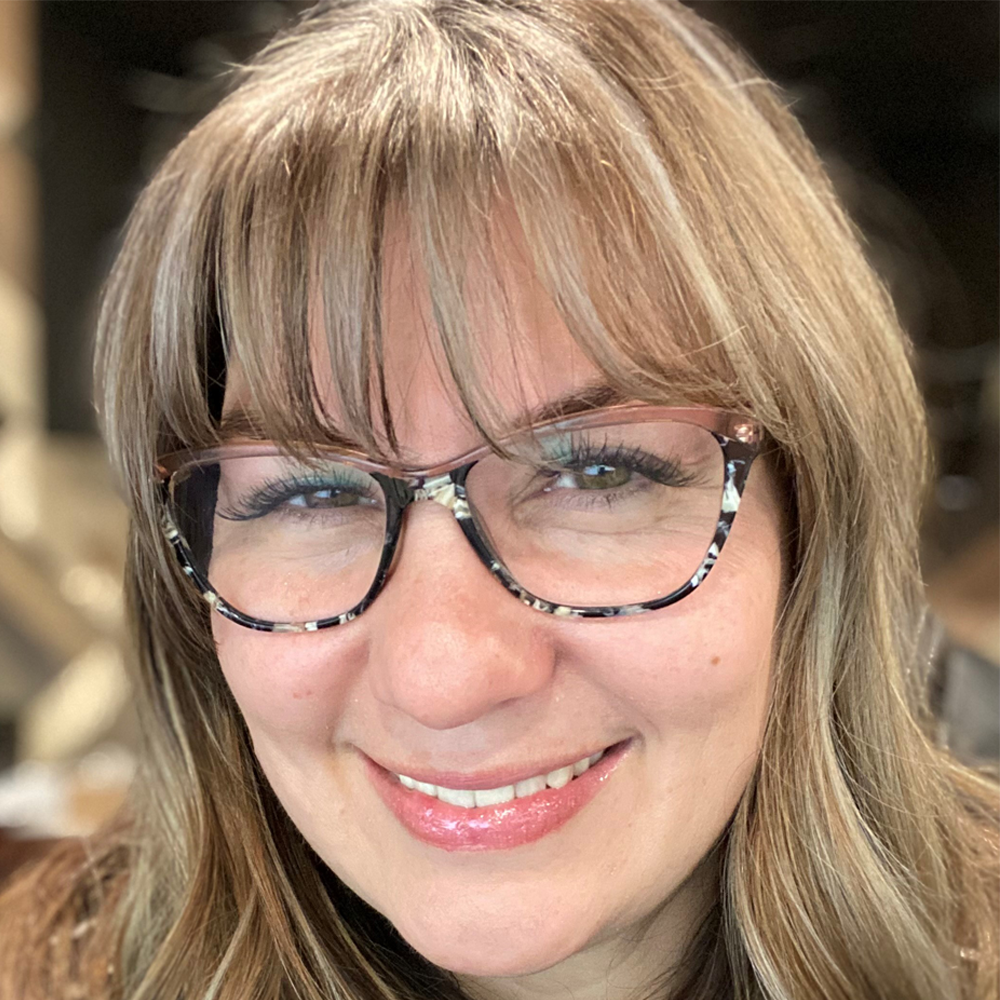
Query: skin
[(446, 671)]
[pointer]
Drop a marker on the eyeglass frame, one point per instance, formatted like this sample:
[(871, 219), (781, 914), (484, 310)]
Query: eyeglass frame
[(444, 483)]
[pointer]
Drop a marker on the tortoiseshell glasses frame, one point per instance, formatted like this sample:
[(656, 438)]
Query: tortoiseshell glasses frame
[(738, 437)]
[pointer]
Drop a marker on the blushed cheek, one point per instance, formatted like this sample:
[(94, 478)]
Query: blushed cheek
[(287, 686), (293, 691), (704, 663)]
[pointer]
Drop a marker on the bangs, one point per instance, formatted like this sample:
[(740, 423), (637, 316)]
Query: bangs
[(262, 236)]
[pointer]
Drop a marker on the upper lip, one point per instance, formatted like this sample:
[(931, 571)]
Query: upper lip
[(495, 778)]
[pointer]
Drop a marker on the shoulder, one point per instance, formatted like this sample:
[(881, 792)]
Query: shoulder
[(55, 923)]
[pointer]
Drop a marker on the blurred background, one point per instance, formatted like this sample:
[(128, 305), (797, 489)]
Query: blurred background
[(901, 99)]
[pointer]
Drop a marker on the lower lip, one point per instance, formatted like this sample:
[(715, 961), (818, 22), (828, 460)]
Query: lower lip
[(492, 828)]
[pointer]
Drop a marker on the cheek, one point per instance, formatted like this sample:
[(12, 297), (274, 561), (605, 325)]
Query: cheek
[(284, 684), (699, 671), (699, 665)]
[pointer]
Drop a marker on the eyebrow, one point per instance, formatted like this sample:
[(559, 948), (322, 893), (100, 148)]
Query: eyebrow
[(245, 422), (593, 396)]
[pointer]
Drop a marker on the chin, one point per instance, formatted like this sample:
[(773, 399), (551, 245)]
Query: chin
[(485, 950)]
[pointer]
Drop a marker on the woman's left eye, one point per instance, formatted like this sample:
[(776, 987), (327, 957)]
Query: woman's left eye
[(592, 477)]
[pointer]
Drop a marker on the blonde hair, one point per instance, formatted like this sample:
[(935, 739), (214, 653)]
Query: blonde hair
[(692, 243)]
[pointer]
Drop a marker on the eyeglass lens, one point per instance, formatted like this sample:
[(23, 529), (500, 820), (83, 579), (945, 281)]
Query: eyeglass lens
[(599, 516)]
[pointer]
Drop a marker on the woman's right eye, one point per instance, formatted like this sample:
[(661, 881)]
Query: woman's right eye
[(274, 498), (328, 497)]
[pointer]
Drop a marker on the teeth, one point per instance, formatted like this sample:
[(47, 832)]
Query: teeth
[(458, 796), (470, 799), (557, 779), (529, 786), (493, 796)]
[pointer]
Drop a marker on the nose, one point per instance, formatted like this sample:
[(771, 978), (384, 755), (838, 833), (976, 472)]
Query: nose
[(448, 643)]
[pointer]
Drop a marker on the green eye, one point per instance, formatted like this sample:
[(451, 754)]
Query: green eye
[(594, 477), (318, 499)]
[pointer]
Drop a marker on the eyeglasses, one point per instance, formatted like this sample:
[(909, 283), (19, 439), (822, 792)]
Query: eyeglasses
[(616, 512)]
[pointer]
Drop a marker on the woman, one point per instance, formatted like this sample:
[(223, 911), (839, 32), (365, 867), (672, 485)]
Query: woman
[(653, 727)]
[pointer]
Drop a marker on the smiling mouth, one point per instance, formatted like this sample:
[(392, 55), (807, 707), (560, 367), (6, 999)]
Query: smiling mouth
[(472, 798), (454, 821)]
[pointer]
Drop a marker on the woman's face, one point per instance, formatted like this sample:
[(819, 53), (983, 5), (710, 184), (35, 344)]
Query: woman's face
[(447, 674)]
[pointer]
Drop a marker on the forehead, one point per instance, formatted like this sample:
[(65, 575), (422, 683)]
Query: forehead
[(524, 355)]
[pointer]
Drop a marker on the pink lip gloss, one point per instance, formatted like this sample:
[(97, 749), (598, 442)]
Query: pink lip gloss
[(491, 828)]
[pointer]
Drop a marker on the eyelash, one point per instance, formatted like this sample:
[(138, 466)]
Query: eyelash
[(273, 493), (652, 467)]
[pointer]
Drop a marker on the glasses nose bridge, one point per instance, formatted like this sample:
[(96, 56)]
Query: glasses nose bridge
[(445, 491)]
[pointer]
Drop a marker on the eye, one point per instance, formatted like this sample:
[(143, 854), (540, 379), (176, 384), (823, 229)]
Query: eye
[(297, 496), (592, 477), (324, 498)]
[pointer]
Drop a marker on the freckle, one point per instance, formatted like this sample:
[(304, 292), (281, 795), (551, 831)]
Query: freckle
[(715, 661), (301, 694)]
